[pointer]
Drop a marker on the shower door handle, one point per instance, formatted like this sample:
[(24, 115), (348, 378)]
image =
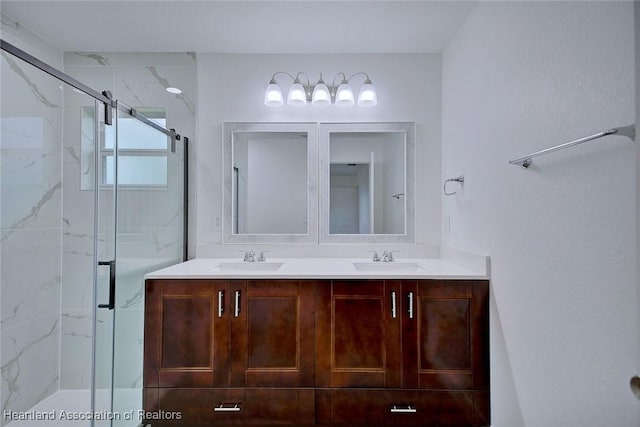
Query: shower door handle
[(112, 284)]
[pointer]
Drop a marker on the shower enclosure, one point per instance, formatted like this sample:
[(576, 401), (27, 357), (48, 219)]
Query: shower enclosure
[(92, 196)]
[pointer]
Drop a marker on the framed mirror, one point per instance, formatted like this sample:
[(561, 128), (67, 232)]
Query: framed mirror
[(270, 183), (367, 176)]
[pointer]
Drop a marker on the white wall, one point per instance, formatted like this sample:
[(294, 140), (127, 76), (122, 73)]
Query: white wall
[(518, 77), (232, 88), (276, 185), (394, 183)]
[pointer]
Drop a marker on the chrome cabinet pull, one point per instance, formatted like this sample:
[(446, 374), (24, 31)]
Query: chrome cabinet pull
[(237, 307), (403, 409), (410, 305), (393, 304), (220, 303), (223, 408)]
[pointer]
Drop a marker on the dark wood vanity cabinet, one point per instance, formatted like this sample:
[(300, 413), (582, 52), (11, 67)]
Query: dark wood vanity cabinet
[(216, 350), (403, 352), (326, 352)]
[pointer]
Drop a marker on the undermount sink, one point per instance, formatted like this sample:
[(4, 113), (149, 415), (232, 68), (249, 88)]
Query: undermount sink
[(388, 266), (248, 266)]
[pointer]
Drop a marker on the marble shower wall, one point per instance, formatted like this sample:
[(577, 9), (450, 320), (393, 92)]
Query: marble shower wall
[(149, 220), (46, 215), (30, 222)]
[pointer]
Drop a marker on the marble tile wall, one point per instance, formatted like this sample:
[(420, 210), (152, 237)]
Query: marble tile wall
[(149, 220), (46, 217), (30, 223)]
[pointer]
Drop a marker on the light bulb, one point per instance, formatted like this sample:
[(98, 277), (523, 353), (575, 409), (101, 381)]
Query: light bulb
[(344, 95), (273, 95), (321, 94), (367, 96), (297, 96)]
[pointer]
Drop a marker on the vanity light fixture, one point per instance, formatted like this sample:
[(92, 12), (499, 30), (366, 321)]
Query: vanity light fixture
[(174, 90), (320, 94)]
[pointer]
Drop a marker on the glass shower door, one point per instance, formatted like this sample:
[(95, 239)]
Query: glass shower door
[(143, 169), (104, 243)]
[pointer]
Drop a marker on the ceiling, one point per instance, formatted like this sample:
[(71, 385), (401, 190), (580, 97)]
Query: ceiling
[(243, 26)]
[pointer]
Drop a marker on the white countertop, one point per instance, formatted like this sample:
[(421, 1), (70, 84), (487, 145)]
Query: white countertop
[(316, 268)]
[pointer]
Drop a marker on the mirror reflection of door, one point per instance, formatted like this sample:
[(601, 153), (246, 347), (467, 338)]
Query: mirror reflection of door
[(350, 199), (367, 183)]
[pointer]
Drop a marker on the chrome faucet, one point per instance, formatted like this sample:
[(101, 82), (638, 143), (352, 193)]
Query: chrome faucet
[(387, 256), (250, 256)]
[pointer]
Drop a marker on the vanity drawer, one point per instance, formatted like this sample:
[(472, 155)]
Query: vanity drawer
[(432, 408), (377, 407), (193, 406), (280, 406), (238, 406)]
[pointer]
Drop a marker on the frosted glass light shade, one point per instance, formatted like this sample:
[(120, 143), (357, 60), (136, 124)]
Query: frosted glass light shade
[(367, 96), (273, 96), (297, 96), (344, 95), (321, 95)]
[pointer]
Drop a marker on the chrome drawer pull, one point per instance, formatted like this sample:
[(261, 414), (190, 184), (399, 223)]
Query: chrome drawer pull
[(410, 305), (404, 409), (222, 408), (393, 304), (220, 302)]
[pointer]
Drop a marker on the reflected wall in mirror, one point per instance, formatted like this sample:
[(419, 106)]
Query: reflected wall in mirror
[(270, 172), (367, 176), (270, 184)]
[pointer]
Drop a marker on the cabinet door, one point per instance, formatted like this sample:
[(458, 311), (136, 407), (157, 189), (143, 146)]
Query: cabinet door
[(358, 334), (272, 334), (445, 334), (186, 340)]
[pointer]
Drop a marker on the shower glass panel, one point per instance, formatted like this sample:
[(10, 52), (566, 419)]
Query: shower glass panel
[(149, 235), (47, 244), (83, 205), (106, 204)]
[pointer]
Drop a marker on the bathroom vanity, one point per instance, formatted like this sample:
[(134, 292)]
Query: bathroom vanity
[(317, 342)]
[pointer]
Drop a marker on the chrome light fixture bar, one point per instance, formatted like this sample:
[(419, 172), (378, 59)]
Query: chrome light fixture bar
[(320, 94)]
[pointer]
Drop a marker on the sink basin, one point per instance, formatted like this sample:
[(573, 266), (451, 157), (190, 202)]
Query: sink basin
[(248, 266), (388, 266)]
